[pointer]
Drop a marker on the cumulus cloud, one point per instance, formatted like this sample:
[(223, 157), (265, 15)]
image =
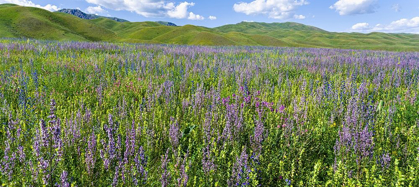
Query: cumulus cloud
[(48, 7), (193, 16), (95, 10), (401, 25), (148, 8), (352, 7), (276, 9), (180, 11), (212, 17), (361, 26)]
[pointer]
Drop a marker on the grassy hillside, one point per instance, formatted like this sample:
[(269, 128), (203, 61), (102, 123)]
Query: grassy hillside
[(17, 21)]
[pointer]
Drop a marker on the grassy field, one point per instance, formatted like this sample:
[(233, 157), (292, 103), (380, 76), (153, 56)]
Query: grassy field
[(105, 114), (17, 22)]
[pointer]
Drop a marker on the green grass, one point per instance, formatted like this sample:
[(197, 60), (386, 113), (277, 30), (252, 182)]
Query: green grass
[(17, 21)]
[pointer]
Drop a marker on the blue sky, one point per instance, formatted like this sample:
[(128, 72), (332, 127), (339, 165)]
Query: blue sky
[(332, 15)]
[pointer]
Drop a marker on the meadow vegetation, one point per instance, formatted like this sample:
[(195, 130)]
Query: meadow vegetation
[(105, 114)]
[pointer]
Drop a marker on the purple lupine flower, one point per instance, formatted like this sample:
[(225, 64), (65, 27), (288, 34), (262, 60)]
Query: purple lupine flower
[(116, 176), (52, 115), (34, 171), (103, 156), (185, 104), (44, 164), (90, 153), (165, 177), (132, 136), (174, 134), (75, 128), (8, 161), (207, 126), (87, 116), (58, 144), (354, 137), (18, 132), (239, 170), (110, 148), (207, 160), (64, 182), (140, 163), (36, 143), (183, 179), (110, 121), (257, 139), (168, 90), (119, 147), (99, 91), (44, 133), (22, 154), (385, 161)]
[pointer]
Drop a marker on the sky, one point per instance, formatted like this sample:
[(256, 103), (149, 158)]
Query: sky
[(392, 16)]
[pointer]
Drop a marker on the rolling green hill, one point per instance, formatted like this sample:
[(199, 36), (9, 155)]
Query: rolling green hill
[(27, 22)]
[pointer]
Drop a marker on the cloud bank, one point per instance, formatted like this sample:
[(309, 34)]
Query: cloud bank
[(352, 7), (48, 7), (150, 8), (401, 25), (276, 9)]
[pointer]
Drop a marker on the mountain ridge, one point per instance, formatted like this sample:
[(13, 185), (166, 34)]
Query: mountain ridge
[(82, 15), (28, 22)]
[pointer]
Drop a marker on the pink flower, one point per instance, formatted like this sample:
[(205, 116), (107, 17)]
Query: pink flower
[(282, 108)]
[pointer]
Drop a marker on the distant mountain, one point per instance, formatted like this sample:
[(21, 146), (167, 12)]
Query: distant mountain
[(27, 22), (166, 23), (82, 15)]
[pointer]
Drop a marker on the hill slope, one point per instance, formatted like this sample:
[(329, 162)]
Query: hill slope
[(17, 21)]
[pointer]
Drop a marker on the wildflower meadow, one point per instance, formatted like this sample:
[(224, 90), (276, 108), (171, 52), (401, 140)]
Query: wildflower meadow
[(108, 114)]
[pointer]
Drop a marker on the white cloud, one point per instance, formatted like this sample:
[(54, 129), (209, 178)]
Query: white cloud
[(212, 17), (401, 25), (48, 7), (180, 11), (193, 16), (396, 7), (352, 7), (277, 9), (148, 8), (95, 10), (361, 26), (299, 17)]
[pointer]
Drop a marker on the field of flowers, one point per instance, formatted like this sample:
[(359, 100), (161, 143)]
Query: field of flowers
[(100, 114)]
